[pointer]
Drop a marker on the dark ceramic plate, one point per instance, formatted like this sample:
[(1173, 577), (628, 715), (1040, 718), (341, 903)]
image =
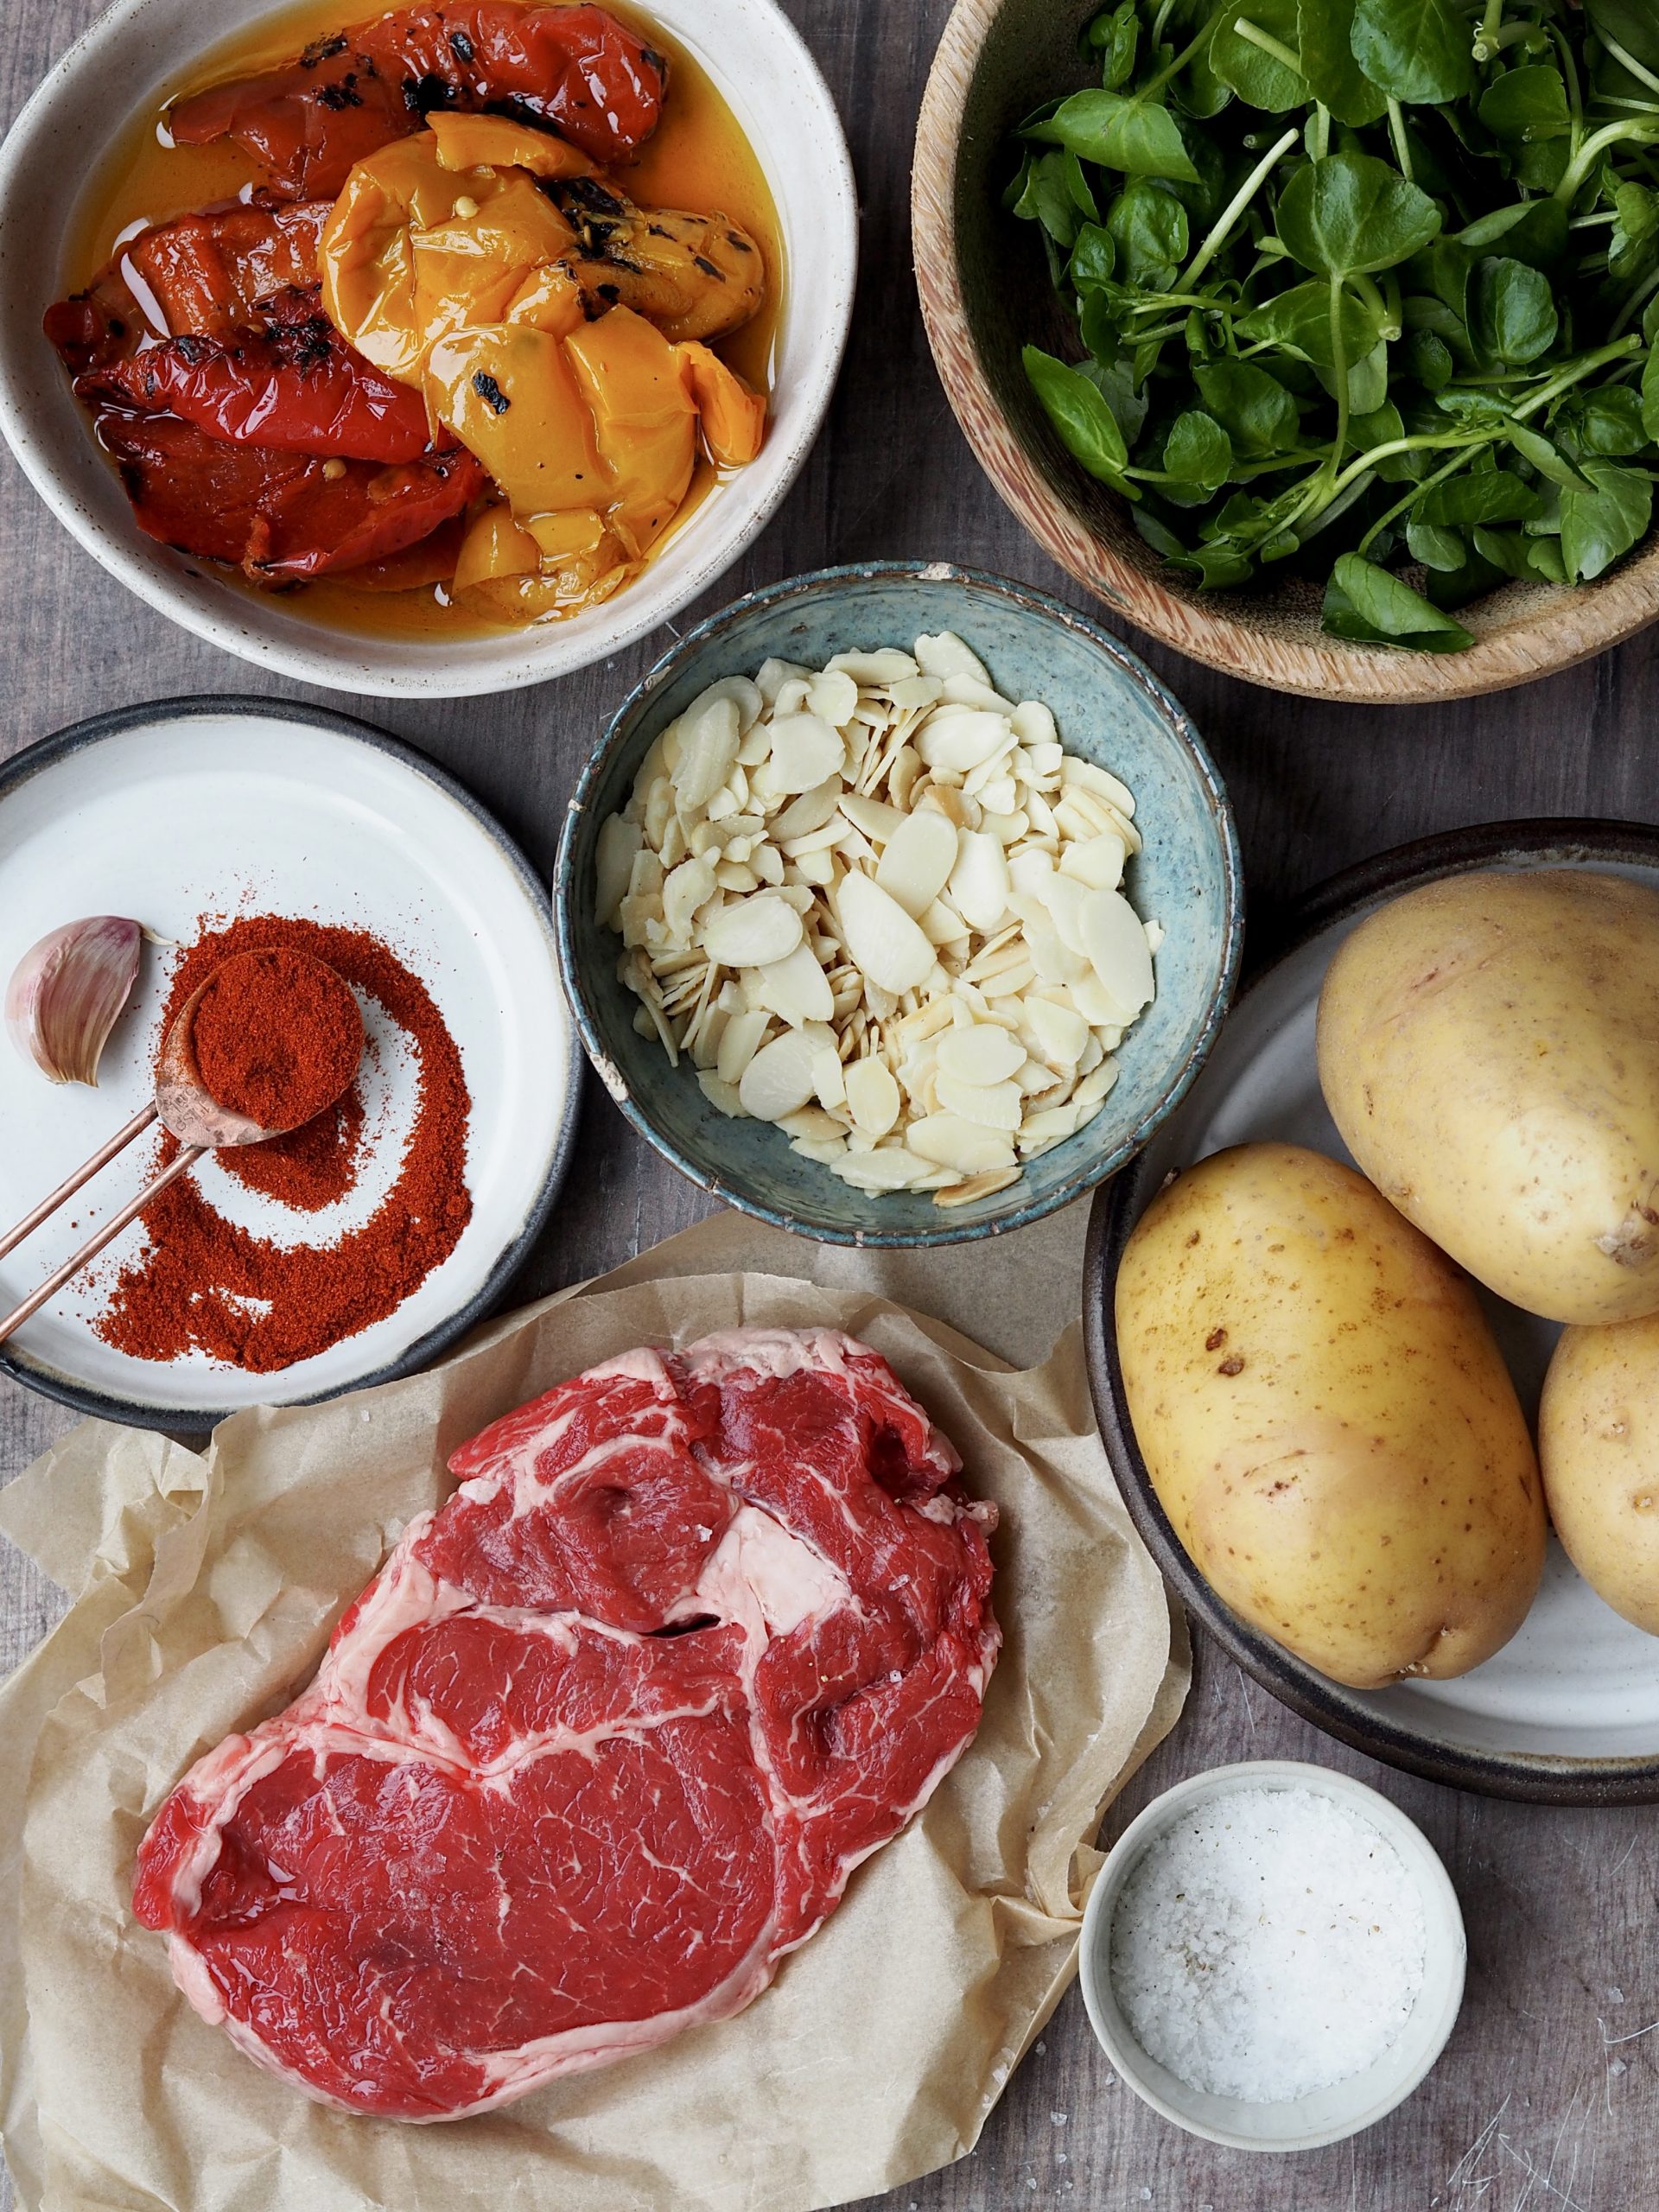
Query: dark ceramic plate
[(166, 811), (1568, 1712)]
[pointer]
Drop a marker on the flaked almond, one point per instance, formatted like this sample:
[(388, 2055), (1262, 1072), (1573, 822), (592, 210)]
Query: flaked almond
[(1117, 949), (753, 933), (982, 1052), (917, 860), (880, 937)]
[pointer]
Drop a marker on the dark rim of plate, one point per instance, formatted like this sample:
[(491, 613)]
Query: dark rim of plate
[(1534, 1777), (45, 753), (1170, 712)]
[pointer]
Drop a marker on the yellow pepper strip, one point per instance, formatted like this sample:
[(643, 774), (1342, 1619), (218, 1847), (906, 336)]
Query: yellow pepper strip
[(644, 420), (495, 546), (447, 264), (407, 257), (507, 392), (470, 142), (734, 417)]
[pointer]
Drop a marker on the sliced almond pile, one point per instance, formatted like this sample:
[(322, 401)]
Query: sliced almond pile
[(878, 905)]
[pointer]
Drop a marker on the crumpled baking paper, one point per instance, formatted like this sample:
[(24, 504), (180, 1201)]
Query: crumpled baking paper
[(205, 1586)]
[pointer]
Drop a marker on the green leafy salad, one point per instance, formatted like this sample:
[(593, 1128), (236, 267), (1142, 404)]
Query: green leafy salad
[(1365, 291)]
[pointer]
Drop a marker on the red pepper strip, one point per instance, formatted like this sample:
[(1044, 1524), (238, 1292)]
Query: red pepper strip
[(279, 516), (432, 561), (574, 69), (314, 396), (205, 273)]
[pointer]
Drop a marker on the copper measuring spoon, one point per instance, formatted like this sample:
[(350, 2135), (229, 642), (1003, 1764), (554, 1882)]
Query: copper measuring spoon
[(183, 1105)]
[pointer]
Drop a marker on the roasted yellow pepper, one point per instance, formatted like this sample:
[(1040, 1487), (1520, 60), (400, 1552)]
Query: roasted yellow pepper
[(446, 265)]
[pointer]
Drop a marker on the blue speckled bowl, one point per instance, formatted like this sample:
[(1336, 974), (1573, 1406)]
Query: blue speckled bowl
[(1109, 708)]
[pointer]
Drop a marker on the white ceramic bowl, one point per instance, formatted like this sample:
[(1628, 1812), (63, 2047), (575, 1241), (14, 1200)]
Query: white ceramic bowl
[(1329, 2115), (761, 67)]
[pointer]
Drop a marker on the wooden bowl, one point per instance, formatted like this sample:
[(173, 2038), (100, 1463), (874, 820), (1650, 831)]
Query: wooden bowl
[(985, 293)]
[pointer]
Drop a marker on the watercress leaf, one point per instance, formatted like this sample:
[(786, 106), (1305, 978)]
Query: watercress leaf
[(1114, 378), (1524, 558), (1473, 410), (1199, 451), (1157, 534), (1084, 423), (1533, 447), (1368, 381), (1414, 49), (1094, 259), (1540, 163), (1048, 199), (1420, 311), (1526, 104), (1382, 426), (1474, 579), (1632, 22), (1077, 184), (1545, 554), (1148, 229), (1367, 603), (1650, 321), (1533, 231), (1512, 312), (1115, 36), (1429, 359), (1217, 567), (1650, 395), (1251, 405), (1204, 195), (1636, 227), (1607, 423), (1441, 270), (1262, 78), (1324, 36), (1300, 319), (1494, 495), (1133, 135), (1434, 545), (1603, 517), (1196, 89), (1350, 215)]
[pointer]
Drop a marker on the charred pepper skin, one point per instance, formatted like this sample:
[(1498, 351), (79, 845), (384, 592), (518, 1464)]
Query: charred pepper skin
[(575, 70)]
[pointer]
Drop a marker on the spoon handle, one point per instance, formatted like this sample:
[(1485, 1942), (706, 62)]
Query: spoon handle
[(30, 1222), (102, 1235)]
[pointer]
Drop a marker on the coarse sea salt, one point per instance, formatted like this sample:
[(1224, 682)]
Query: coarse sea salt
[(1272, 1942)]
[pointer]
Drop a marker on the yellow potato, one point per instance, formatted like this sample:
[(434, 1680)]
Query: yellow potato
[(1599, 1447), (1327, 1419), (1489, 1048)]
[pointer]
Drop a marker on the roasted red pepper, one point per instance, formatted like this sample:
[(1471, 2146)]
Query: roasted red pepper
[(300, 387), (281, 517), (576, 69), (205, 276)]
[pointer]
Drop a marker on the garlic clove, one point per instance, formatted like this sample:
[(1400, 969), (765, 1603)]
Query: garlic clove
[(66, 992)]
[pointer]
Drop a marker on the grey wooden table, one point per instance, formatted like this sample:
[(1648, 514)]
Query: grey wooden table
[(1547, 2095)]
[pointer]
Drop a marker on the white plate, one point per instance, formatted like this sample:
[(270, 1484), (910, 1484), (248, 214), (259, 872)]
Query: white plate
[(1568, 1710), (169, 811)]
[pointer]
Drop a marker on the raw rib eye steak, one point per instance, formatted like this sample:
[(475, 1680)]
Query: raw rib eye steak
[(601, 1743)]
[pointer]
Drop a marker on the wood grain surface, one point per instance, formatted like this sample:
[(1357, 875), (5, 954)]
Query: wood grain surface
[(1546, 2097)]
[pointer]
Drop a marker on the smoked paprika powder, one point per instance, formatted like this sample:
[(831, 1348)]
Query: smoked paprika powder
[(276, 1036), (205, 1284)]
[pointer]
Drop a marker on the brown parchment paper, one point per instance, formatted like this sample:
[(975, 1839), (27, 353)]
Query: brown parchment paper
[(204, 1590)]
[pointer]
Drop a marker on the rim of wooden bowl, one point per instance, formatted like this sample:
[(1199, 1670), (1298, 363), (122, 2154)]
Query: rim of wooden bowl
[(1522, 632)]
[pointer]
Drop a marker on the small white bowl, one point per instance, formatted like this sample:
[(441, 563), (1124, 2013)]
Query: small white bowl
[(1328, 2115), (763, 69)]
